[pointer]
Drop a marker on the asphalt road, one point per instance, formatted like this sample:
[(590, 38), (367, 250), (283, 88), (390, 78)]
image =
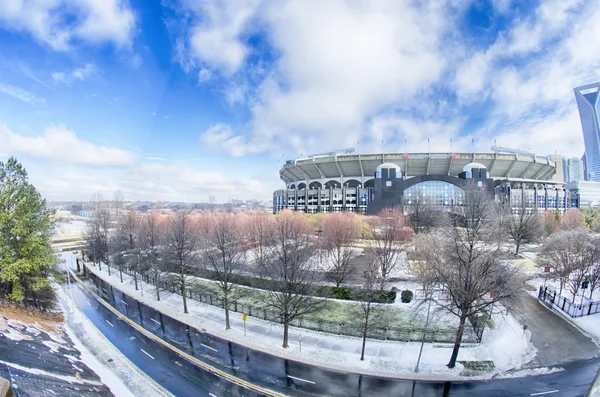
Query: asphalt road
[(556, 340), (284, 376)]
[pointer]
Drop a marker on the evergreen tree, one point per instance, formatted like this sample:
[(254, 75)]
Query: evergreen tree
[(26, 258)]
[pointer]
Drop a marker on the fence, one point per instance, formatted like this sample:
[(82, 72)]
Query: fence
[(550, 298), (473, 332)]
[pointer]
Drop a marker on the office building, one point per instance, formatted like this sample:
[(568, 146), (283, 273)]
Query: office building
[(573, 169), (588, 104)]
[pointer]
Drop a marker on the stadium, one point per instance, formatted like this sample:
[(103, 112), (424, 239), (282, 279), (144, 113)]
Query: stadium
[(366, 183)]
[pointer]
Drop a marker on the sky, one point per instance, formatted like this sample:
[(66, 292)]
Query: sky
[(181, 100)]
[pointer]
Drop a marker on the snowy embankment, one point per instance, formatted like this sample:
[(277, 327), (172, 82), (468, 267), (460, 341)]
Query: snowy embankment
[(506, 344), (121, 376)]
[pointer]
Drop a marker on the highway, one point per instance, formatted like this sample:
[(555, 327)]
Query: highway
[(281, 376)]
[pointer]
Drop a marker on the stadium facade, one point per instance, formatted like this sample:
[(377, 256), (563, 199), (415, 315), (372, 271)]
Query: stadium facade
[(367, 183)]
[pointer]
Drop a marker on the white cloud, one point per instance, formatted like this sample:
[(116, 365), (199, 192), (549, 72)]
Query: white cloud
[(60, 22), (216, 40), (471, 76), (19, 93), (60, 144), (339, 63), (75, 74)]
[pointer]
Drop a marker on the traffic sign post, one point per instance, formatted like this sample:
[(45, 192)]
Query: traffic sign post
[(244, 318)]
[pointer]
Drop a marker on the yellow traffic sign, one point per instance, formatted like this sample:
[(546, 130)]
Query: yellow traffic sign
[(244, 317)]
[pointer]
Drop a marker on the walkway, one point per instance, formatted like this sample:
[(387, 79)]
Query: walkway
[(557, 340)]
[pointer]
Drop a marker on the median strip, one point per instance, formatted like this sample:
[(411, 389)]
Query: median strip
[(194, 360)]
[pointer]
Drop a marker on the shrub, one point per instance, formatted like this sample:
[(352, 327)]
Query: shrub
[(385, 297), (406, 296), (341, 293)]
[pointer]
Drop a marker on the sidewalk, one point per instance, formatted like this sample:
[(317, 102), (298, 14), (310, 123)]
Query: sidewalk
[(507, 345)]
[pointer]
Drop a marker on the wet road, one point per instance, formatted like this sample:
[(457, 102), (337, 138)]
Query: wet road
[(284, 376)]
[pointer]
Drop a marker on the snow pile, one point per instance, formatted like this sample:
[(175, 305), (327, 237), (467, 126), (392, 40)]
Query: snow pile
[(36, 371), (529, 372), (590, 324)]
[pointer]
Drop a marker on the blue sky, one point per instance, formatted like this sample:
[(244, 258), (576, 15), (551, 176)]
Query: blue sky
[(182, 99)]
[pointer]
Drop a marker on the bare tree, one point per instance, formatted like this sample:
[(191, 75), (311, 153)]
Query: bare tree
[(370, 313), (226, 258), (97, 235), (117, 204), (151, 237), (550, 223), (466, 265), (390, 238), (573, 219), (340, 232), (181, 248), (259, 232), (291, 270), (419, 267), (421, 216), (522, 226), (573, 254)]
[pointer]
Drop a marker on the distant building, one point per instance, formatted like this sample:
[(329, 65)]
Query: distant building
[(560, 175), (586, 193), (573, 169), (584, 163), (88, 214), (589, 110)]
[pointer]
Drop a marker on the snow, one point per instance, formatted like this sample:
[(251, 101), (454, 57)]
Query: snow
[(591, 324), (36, 371), (506, 344), (8, 328), (530, 372), (121, 376)]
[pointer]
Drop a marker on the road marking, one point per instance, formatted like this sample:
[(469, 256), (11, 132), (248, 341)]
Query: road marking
[(109, 323), (192, 359), (155, 321), (104, 289), (88, 302), (208, 347), (302, 380), (125, 303), (211, 395), (545, 392), (143, 351)]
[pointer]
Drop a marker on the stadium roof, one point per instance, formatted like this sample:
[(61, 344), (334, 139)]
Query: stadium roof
[(362, 167)]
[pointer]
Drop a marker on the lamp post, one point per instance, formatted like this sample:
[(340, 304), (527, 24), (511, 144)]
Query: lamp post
[(424, 332)]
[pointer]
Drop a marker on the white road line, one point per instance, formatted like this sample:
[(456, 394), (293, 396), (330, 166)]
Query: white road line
[(88, 302), (211, 395), (125, 303), (302, 380), (208, 347), (545, 392), (155, 321), (147, 354), (109, 323)]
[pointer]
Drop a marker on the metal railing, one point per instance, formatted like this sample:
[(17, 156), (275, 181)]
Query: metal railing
[(473, 332), (585, 307)]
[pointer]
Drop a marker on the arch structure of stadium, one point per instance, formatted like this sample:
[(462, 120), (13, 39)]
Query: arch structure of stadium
[(367, 183)]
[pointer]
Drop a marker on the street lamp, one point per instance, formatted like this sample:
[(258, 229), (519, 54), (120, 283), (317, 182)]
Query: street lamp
[(424, 330)]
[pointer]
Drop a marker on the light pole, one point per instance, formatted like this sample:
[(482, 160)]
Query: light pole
[(424, 332)]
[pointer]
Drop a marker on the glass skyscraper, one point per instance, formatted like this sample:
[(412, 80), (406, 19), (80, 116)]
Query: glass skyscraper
[(589, 110)]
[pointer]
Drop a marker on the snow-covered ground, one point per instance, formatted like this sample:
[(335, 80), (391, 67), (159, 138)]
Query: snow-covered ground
[(69, 229), (506, 344)]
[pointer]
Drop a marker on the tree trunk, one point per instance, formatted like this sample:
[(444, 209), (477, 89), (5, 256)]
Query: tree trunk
[(135, 279), (183, 295), (157, 291), (226, 302), (459, 334), (518, 245), (364, 341), (285, 334), (121, 274)]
